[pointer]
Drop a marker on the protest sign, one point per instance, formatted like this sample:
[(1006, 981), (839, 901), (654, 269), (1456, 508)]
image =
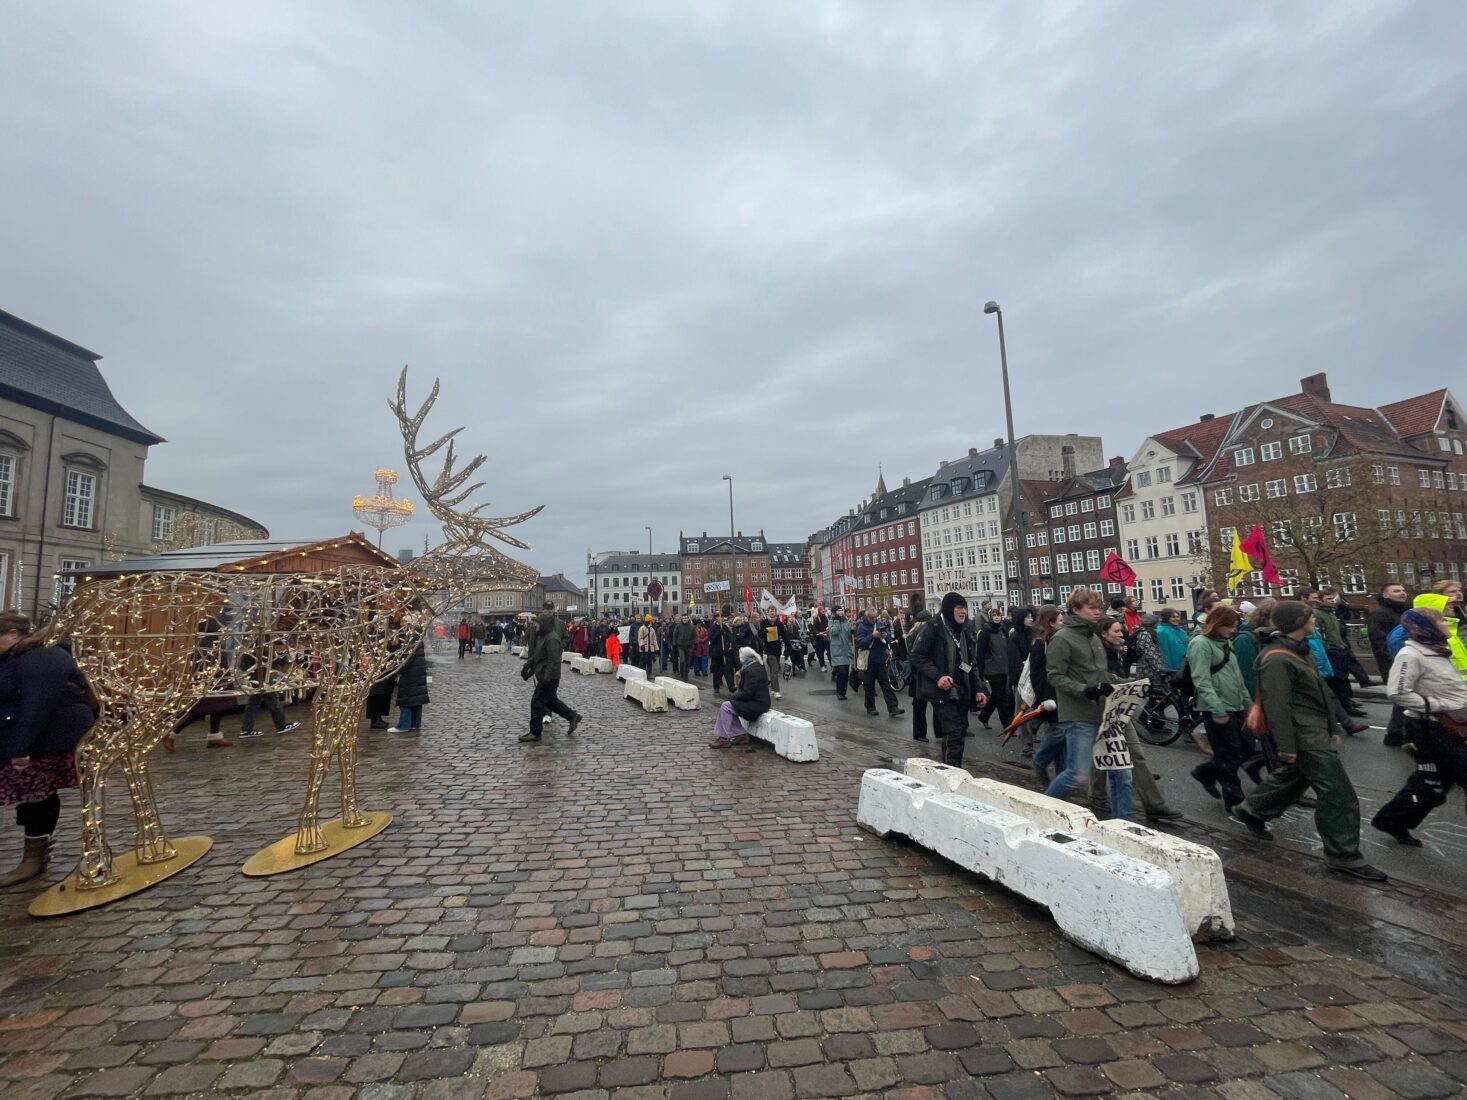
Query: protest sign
[(1121, 705)]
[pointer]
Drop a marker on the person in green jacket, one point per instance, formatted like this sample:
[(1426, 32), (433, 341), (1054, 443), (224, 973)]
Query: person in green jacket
[(1304, 729), (1248, 642), (1222, 700)]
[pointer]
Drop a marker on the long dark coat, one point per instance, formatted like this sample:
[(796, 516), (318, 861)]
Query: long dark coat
[(412, 681), (44, 708)]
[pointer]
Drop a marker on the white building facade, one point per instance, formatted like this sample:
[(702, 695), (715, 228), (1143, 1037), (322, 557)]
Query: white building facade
[(962, 521), (1162, 516), (617, 582)]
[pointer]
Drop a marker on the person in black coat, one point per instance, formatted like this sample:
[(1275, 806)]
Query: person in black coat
[(45, 710), (945, 663), (993, 663), (749, 700), (412, 692)]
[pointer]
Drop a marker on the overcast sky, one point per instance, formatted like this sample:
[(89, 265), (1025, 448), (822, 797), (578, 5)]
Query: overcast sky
[(644, 245)]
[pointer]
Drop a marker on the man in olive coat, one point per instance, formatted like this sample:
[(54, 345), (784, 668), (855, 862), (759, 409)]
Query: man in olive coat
[(543, 663)]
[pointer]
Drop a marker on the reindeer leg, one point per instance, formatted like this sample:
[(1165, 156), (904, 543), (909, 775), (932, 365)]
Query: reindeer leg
[(308, 837), (94, 758), (354, 699)]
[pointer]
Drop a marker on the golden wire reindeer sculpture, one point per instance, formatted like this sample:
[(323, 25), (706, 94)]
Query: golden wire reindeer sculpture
[(465, 563)]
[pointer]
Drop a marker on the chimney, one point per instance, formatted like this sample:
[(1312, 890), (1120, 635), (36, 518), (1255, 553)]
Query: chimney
[(972, 451), (1205, 417), (1316, 385), (906, 482), (997, 443), (1118, 466), (942, 464), (1067, 460)]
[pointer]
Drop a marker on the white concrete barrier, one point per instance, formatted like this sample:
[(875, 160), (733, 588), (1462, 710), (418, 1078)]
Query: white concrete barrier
[(793, 738), (644, 691), (625, 671), (1108, 903), (582, 665), (567, 656), (681, 695), (1196, 869), (519, 651), (602, 665)]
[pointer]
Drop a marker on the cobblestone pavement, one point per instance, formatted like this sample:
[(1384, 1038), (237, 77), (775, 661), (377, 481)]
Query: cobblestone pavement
[(632, 915)]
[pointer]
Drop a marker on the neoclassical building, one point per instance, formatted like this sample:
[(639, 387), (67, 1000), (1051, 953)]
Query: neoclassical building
[(71, 474)]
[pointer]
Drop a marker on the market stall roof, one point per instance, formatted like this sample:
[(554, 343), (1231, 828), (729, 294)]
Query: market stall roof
[(253, 556)]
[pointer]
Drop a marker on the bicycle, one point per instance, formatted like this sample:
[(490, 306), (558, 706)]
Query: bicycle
[(1166, 715)]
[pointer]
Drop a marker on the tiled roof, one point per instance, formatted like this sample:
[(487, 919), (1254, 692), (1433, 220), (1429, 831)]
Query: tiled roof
[(984, 471), (560, 584), (633, 562), (40, 369), (787, 553), (711, 544), (909, 495), (1199, 441), (1415, 415)]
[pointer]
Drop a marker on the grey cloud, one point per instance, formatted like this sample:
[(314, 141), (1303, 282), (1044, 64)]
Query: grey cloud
[(645, 245)]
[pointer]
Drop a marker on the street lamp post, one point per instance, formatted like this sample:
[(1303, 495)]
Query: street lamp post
[(729, 478), (1008, 412), (649, 570)]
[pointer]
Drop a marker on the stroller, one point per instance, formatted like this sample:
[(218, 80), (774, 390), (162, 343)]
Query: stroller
[(794, 657)]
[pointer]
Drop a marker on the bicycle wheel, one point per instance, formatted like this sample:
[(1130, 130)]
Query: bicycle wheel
[(1161, 721)]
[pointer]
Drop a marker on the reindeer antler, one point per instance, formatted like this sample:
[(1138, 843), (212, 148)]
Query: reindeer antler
[(447, 491)]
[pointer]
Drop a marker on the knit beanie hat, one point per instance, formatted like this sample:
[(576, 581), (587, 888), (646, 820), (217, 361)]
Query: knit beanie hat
[(1290, 615), (950, 601)]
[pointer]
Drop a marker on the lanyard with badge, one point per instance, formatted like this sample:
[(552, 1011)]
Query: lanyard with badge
[(963, 666)]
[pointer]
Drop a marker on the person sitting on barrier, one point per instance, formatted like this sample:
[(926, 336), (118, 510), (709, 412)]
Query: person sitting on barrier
[(945, 663), (1082, 680), (749, 701)]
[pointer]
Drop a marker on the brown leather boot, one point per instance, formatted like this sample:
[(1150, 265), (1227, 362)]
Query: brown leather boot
[(33, 862)]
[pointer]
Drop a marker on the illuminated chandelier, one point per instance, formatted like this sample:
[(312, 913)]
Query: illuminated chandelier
[(383, 511)]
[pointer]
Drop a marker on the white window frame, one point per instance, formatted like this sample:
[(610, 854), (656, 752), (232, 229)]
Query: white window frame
[(1305, 483), (164, 516), (1271, 452), (1243, 456), (79, 508), (1300, 444), (9, 464)]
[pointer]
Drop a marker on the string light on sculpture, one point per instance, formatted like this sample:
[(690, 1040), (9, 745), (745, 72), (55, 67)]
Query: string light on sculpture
[(383, 511)]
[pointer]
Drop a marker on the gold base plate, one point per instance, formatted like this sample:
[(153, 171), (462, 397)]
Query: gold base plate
[(66, 897), (282, 856)]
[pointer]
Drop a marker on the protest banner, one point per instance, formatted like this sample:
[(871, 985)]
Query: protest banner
[(1121, 705)]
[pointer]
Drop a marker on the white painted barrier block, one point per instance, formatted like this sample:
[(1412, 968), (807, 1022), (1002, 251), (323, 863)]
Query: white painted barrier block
[(625, 671), (519, 651), (793, 738), (1046, 812), (644, 691), (567, 656), (1196, 869), (603, 665), (1107, 902), (1207, 911), (582, 665), (681, 695)]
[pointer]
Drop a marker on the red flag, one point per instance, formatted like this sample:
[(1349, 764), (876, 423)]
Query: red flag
[(1257, 549), (1116, 571)]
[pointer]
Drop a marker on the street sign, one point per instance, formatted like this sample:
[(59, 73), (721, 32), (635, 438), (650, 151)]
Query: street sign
[(654, 590)]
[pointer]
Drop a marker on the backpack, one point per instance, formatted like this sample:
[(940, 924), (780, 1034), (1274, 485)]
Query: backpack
[(1188, 686)]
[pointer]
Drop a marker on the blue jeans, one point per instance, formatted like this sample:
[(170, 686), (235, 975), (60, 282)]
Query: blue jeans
[(410, 718), (1050, 751), (1079, 739)]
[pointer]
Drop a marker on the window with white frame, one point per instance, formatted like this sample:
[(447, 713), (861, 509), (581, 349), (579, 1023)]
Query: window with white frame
[(1377, 475), (1148, 509), (1222, 497), (1346, 528), (1074, 532), (1092, 559), (1337, 477), (1087, 505), (1248, 493), (1128, 513), (1225, 536), (1071, 508), (1158, 590), (1168, 506), (64, 583), (1189, 503), (1173, 546), (162, 522), (1107, 528), (1305, 483), (1090, 529), (1143, 479), (1243, 456), (1393, 475), (1059, 535), (7, 488), (1270, 451), (1354, 580), (1152, 547), (5, 599), (1102, 502), (1195, 541), (81, 499), (1279, 487), (1300, 445), (1179, 588), (1133, 549)]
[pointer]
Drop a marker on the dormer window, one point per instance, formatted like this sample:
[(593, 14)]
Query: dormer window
[(692, 548), (756, 547)]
